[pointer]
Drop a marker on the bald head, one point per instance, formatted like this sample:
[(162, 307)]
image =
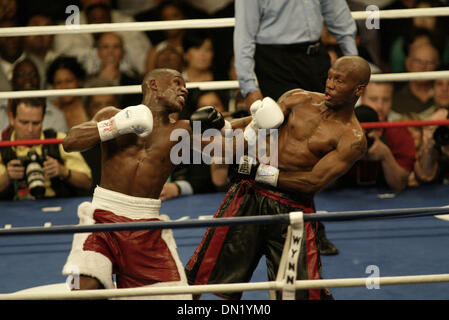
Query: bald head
[(157, 74), (355, 67)]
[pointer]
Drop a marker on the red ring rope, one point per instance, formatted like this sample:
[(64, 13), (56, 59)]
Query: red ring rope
[(365, 125), (398, 124), (30, 142)]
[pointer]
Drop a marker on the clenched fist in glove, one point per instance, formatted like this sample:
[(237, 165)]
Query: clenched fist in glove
[(266, 114), (210, 118), (134, 119)]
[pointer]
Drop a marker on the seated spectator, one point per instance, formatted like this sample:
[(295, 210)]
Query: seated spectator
[(67, 73), (392, 29), (198, 56), (169, 11), (169, 57), (110, 51), (11, 53), (215, 99), (414, 99), (222, 38), (441, 95), (9, 10), (95, 103), (430, 29), (135, 43), (26, 77), (57, 174), (39, 48), (391, 151), (432, 163)]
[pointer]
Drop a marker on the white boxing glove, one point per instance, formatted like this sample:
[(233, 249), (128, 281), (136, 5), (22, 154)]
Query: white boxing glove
[(266, 114), (133, 119)]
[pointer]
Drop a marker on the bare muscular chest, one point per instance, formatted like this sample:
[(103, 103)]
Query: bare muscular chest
[(307, 136)]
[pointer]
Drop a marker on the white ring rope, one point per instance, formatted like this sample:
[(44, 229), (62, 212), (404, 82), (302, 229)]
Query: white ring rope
[(131, 89), (200, 23), (206, 85), (197, 23), (233, 287)]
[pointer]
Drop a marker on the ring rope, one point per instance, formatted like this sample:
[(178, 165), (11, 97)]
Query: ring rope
[(216, 222), (31, 142), (129, 89), (203, 86), (196, 23), (401, 124), (233, 287)]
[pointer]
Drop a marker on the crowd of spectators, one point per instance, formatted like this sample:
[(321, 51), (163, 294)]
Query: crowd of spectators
[(122, 58)]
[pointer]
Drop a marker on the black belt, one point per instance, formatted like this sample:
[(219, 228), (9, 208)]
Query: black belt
[(309, 48)]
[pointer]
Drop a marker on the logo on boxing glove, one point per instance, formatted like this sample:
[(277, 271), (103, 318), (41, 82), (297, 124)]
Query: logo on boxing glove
[(133, 119)]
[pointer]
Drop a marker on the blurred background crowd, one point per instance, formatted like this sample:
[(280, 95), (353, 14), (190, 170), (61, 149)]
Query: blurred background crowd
[(122, 58)]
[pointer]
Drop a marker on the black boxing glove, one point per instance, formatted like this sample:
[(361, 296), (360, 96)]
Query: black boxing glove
[(250, 168), (210, 118)]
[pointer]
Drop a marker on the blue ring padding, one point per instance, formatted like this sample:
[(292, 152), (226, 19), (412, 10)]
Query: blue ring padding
[(196, 223)]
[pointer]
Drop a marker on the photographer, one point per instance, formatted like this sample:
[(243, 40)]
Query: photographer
[(30, 172), (391, 151), (432, 163)]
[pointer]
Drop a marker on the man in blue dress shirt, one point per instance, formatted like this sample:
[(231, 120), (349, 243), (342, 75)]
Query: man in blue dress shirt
[(279, 42)]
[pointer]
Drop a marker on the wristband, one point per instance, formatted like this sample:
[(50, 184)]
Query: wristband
[(107, 129), (267, 174), (179, 188)]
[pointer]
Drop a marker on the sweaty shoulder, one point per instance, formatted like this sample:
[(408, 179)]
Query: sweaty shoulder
[(105, 113), (354, 139), (298, 97)]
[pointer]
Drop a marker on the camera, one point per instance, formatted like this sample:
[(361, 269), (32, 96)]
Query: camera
[(34, 173), (441, 136), (369, 140), (365, 113)]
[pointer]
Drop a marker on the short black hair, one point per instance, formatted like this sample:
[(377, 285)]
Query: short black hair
[(34, 102), (66, 62), (195, 39)]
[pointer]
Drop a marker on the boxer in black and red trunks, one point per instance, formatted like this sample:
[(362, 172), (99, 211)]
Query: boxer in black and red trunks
[(319, 140)]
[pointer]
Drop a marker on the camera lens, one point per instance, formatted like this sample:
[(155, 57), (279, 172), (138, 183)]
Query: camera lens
[(35, 179), (441, 136), (369, 141)]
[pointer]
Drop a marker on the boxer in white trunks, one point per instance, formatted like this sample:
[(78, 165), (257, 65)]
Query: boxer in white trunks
[(136, 163)]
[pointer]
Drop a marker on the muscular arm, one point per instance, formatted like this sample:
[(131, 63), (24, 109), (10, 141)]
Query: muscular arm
[(4, 181), (395, 176), (85, 135), (240, 123), (330, 167), (426, 165)]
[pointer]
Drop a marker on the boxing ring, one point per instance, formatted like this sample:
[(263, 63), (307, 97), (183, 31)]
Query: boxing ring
[(395, 252), (398, 247)]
